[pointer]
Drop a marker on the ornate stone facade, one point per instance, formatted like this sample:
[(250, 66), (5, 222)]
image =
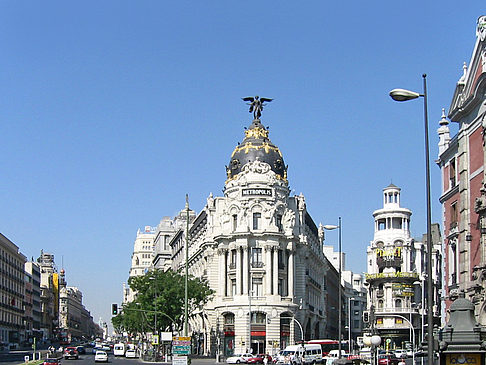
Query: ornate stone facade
[(260, 251), (462, 163)]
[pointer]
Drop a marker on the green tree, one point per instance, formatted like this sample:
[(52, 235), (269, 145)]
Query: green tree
[(160, 292)]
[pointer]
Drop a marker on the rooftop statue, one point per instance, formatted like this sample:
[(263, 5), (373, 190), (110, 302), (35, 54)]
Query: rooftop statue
[(256, 105)]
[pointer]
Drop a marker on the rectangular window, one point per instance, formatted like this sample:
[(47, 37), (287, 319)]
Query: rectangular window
[(257, 287), (233, 287), (452, 173), (256, 220), (235, 222), (256, 257), (453, 215)]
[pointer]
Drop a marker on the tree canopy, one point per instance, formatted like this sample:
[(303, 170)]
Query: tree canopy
[(159, 302)]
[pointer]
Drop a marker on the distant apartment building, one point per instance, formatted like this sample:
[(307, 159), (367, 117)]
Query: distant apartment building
[(75, 321), (49, 297), (33, 314), (353, 300), (12, 292), (142, 257)]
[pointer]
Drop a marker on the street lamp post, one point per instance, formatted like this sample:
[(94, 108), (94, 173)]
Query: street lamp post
[(186, 268), (301, 331), (331, 227), (405, 95)]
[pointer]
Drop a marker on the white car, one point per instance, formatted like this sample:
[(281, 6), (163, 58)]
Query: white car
[(400, 354), (101, 356), (238, 358), (131, 353)]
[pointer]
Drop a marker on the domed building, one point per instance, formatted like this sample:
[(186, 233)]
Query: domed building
[(261, 253)]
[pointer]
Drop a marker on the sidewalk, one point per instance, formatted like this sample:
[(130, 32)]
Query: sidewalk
[(195, 360)]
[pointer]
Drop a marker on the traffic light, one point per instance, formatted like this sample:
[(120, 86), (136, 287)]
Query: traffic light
[(114, 309), (366, 317)]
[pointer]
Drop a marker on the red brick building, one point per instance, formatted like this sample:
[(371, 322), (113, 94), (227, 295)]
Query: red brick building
[(461, 160)]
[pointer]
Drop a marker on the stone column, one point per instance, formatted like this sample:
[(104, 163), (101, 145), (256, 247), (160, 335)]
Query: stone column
[(268, 270), (238, 270), (223, 269), (245, 270), (275, 271), (290, 273)]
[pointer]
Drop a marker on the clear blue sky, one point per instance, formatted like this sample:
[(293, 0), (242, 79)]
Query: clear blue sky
[(111, 111)]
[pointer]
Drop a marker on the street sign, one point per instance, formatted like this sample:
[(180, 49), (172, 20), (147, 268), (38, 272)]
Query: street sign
[(181, 345), (179, 360)]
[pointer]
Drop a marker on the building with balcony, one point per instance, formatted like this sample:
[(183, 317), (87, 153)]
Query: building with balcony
[(395, 276), (32, 301), (462, 163), (12, 291)]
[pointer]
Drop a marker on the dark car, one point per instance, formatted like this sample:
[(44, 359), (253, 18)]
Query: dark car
[(51, 361), (81, 350), (71, 353), (258, 359)]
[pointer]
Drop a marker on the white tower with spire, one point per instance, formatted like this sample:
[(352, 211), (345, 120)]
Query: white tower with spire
[(394, 261)]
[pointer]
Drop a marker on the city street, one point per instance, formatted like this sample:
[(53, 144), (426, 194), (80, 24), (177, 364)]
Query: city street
[(16, 358)]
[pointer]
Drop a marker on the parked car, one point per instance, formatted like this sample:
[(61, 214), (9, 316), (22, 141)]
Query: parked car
[(400, 354), (238, 358), (97, 348), (131, 353), (81, 350), (51, 361), (101, 356), (71, 352), (258, 359)]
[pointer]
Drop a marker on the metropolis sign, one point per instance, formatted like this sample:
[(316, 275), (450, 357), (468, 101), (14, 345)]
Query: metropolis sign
[(256, 192)]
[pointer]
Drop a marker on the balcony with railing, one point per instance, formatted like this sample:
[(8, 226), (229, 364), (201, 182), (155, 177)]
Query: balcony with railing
[(396, 310)]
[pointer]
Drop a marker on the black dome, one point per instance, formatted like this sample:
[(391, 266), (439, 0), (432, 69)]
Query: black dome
[(256, 146)]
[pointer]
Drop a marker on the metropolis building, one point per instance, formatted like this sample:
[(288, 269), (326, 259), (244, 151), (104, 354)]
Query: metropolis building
[(261, 252)]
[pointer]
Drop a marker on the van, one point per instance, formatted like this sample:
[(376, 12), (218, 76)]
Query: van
[(298, 355), (312, 354), (334, 355), (119, 349)]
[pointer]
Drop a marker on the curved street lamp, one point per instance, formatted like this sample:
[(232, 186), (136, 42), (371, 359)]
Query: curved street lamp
[(405, 95), (331, 227)]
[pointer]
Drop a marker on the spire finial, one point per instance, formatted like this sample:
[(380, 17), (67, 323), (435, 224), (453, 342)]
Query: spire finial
[(443, 120)]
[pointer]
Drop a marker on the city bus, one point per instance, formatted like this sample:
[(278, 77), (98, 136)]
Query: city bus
[(328, 345)]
